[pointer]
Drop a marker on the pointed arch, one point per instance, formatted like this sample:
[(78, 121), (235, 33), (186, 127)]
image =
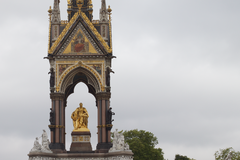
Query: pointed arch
[(79, 73)]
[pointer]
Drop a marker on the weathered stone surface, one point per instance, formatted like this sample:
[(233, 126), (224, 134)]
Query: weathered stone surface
[(81, 142), (118, 143), (38, 148), (82, 156)]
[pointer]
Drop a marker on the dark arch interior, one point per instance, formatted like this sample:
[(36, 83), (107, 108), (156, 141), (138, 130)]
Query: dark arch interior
[(81, 94), (79, 77)]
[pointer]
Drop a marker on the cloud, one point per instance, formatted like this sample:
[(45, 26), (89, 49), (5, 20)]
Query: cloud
[(176, 74)]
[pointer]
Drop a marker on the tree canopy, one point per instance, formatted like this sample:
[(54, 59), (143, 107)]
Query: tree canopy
[(223, 153), (142, 144), (180, 157)]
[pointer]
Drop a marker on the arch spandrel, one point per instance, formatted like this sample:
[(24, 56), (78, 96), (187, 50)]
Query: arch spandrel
[(93, 77), (62, 66)]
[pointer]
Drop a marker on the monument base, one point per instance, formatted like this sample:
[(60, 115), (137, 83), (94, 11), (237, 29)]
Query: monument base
[(81, 142), (123, 155), (103, 147)]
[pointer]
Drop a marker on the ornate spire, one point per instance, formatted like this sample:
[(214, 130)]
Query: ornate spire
[(56, 19), (103, 12)]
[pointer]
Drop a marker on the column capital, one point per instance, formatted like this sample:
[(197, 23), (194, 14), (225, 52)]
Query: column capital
[(57, 96), (103, 96)]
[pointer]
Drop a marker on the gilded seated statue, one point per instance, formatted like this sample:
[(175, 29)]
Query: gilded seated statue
[(80, 119)]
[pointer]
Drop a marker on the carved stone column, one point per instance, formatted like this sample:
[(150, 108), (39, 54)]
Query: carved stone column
[(58, 128), (104, 136)]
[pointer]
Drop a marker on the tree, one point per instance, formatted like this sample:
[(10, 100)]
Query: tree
[(223, 153), (180, 157), (142, 144)]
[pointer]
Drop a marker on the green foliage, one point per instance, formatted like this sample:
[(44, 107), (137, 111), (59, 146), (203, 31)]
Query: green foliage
[(142, 144), (222, 154), (180, 157)]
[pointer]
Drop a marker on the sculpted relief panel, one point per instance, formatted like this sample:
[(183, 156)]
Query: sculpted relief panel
[(107, 158)]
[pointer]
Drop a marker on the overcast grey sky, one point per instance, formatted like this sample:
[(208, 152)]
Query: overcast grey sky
[(177, 74)]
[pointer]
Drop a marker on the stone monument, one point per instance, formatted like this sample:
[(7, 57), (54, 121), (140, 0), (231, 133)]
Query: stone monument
[(80, 51)]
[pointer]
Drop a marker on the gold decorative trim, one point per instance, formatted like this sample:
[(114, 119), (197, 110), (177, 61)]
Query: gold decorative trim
[(69, 24), (95, 21), (104, 126), (109, 125), (109, 50), (79, 64), (64, 22), (60, 37), (87, 62), (110, 31), (56, 126), (81, 139)]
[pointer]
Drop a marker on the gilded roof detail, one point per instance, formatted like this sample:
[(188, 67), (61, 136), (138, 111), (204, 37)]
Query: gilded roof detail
[(56, 43), (69, 24), (107, 48), (80, 64)]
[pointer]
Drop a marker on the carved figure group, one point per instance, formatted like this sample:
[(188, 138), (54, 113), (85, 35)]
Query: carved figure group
[(118, 142), (36, 146), (80, 118), (45, 144)]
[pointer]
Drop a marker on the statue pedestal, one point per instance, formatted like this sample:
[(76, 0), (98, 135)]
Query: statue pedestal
[(81, 142)]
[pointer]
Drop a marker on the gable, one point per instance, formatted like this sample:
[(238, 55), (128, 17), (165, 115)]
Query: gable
[(80, 45), (80, 24)]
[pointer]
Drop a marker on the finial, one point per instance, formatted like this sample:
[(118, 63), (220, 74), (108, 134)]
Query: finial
[(109, 12), (109, 9), (69, 11), (90, 2), (56, 18), (90, 10), (79, 4), (50, 10), (50, 13), (90, 6)]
